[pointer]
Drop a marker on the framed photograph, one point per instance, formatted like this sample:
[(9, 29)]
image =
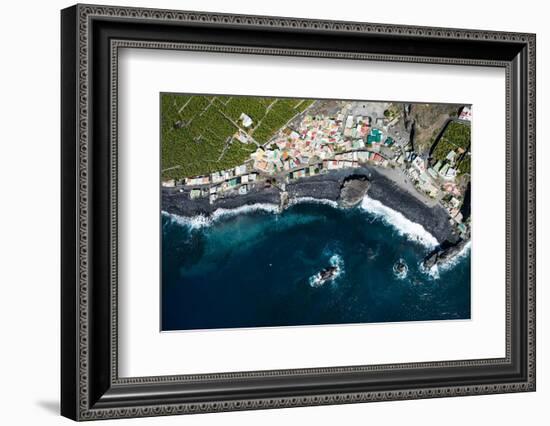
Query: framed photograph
[(263, 212)]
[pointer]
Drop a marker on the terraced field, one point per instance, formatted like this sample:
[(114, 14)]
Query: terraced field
[(457, 137), (197, 131)]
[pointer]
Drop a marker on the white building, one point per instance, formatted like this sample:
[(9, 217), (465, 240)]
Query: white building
[(199, 180), (418, 162), (246, 120), (362, 156), (217, 177), (240, 170), (451, 173), (332, 165), (466, 114), (455, 202), (451, 155), (242, 136)]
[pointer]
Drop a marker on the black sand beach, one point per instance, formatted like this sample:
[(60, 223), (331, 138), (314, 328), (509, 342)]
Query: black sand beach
[(326, 186)]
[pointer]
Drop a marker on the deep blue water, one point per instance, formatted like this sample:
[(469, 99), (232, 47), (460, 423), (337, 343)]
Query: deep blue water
[(253, 269)]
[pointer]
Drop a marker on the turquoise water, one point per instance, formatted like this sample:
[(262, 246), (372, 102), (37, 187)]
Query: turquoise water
[(256, 268)]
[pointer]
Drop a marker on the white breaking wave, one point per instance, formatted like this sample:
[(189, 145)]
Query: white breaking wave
[(435, 270), (405, 227), (264, 207), (312, 200), (194, 222), (201, 221), (336, 260)]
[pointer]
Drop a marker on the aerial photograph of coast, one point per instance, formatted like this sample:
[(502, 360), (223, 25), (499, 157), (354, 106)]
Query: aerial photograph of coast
[(301, 212)]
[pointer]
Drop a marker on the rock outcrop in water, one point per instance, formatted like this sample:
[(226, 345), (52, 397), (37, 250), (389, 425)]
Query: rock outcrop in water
[(353, 190), (443, 253)]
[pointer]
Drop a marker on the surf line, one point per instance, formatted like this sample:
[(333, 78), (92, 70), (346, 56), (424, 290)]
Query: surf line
[(201, 221), (404, 227)]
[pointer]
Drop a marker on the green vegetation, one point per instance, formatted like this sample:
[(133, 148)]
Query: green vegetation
[(455, 137), (255, 108), (429, 119), (279, 113), (197, 131), (458, 134), (442, 149), (303, 105), (464, 164), (393, 111)]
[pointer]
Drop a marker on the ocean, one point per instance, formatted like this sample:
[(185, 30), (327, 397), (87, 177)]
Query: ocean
[(256, 267)]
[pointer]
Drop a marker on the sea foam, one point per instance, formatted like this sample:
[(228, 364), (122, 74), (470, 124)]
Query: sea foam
[(262, 207), (201, 221), (194, 222), (312, 200), (405, 227)]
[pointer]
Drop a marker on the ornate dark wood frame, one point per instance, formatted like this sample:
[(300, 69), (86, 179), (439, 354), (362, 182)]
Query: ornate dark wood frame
[(91, 37)]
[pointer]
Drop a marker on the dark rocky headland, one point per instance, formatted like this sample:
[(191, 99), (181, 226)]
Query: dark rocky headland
[(443, 253)]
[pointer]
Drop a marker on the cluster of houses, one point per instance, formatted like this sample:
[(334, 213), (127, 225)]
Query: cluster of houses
[(306, 171), (441, 175), (435, 179), (319, 139), (340, 161), (364, 156), (446, 171), (219, 177), (355, 127), (322, 144), (215, 184), (315, 140), (418, 173), (452, 205), (318, 145)]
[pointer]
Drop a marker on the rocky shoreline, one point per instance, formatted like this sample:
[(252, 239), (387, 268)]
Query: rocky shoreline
[(328, 186), (176, 202), (444, 253), (434, 219)]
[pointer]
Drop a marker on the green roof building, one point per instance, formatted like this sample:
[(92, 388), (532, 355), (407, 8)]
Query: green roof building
[(375, 136)]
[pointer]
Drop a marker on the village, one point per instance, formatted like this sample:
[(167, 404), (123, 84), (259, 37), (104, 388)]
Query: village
[(351, 136)]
